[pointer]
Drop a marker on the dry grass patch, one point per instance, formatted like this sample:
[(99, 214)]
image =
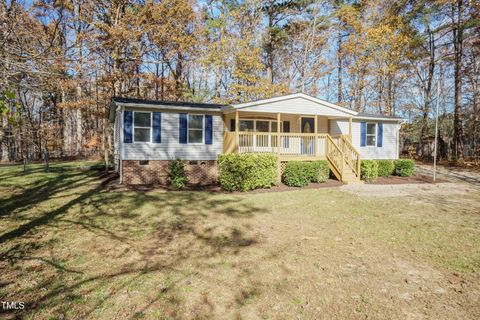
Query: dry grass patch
[(69, 247)]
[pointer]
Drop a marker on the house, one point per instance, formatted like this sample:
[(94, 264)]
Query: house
[(149, 134)]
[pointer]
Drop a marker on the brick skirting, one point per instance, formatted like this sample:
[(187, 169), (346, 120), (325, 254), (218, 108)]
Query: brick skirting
[(201, 172)]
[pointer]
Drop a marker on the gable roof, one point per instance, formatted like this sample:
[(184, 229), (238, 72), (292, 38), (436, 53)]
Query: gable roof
[(312, 105), (294, 96)]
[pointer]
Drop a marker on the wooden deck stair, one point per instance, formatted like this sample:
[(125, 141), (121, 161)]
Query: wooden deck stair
[(343, 159)]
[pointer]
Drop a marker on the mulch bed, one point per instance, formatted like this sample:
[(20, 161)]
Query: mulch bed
[(281, 188), (111, 183), (415, 179), (114, 186)]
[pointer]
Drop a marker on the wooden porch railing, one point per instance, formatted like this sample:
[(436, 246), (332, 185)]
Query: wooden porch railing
[(291, 144), (338, 150)]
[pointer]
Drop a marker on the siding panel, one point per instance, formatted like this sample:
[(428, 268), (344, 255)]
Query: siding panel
[(170, 148), (389, 143)]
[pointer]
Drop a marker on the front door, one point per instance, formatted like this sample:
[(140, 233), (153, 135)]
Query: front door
[(308, 126)]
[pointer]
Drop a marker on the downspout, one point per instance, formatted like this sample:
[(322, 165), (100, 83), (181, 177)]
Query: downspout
[(120, 153)]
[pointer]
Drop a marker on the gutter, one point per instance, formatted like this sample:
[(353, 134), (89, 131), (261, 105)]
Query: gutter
[(165, 107)]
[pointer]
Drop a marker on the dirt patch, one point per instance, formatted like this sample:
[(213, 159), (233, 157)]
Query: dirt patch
[(415, 179), (403, 190), (282, 187), (454, 174)]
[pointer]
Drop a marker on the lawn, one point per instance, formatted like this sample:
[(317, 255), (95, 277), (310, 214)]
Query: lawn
[(72, 248)]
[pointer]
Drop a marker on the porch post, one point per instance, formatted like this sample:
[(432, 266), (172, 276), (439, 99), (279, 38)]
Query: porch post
[(328, 132), (278, 134), (237, 128), (350, 128), (315, 142)]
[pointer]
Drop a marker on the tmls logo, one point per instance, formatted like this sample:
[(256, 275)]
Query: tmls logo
[(13, 305)]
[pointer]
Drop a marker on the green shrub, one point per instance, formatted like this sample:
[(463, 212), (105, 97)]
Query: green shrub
[(296, 174), (247, 171), (385, 168), (404, 167), (300, 173), (176, 174), (369, 170), (320, 172)]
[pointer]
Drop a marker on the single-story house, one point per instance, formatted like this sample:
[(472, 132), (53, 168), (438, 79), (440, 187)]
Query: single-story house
[(148, 134)]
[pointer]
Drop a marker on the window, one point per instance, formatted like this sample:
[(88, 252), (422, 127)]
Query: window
[(143, 162), (142, 123), (195, 128), (371, 135), (274, 126), (263, 126), (246, 125)]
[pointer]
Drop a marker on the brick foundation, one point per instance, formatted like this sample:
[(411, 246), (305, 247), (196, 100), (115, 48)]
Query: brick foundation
[(201, 172)]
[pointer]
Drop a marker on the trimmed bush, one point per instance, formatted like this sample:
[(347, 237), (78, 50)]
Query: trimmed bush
[(176, 174), (300, 173), (404, 167), (385, 168), (320, 172), (296, 174), (247, 171), (369, 170)]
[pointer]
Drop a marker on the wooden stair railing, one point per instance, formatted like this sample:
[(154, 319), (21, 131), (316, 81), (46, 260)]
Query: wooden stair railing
[(335, 158), (352, 156)]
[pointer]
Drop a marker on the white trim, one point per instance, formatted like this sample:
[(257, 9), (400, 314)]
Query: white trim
[(307, 117), (288, 97), (255, 125), (375, 135), (133, 127), (398, 140), (188, 128), (377, 119), (166, 107), (122, 111)]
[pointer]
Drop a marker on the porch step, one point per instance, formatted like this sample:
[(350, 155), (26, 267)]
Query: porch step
[(349, 177)]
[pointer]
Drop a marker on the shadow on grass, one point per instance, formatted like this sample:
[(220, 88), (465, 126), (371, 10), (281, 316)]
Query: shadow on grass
[(157, 231)]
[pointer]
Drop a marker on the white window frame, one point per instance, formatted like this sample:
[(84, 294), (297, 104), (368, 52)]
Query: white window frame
[(203, 128), (270, 133), (371, 134), (134, 127), (255, 125)]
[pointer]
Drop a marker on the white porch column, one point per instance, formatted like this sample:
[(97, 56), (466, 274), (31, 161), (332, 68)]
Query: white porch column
[(315, 130), (237, 129), (278, 133)]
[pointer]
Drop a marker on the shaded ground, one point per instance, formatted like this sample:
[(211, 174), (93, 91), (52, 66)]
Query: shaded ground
[(470, 176), (69, 248)]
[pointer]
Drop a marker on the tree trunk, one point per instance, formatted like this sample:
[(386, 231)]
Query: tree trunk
[(4, 141), (339, 68), (458, 53), (269, 47), (427, 87)]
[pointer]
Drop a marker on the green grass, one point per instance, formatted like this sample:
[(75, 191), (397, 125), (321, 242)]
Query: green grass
[(70, 247)]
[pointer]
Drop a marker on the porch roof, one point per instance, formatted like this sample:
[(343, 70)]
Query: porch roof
[(303, 104)]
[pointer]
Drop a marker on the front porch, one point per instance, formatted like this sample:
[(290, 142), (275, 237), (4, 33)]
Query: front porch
[(293, 137)]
